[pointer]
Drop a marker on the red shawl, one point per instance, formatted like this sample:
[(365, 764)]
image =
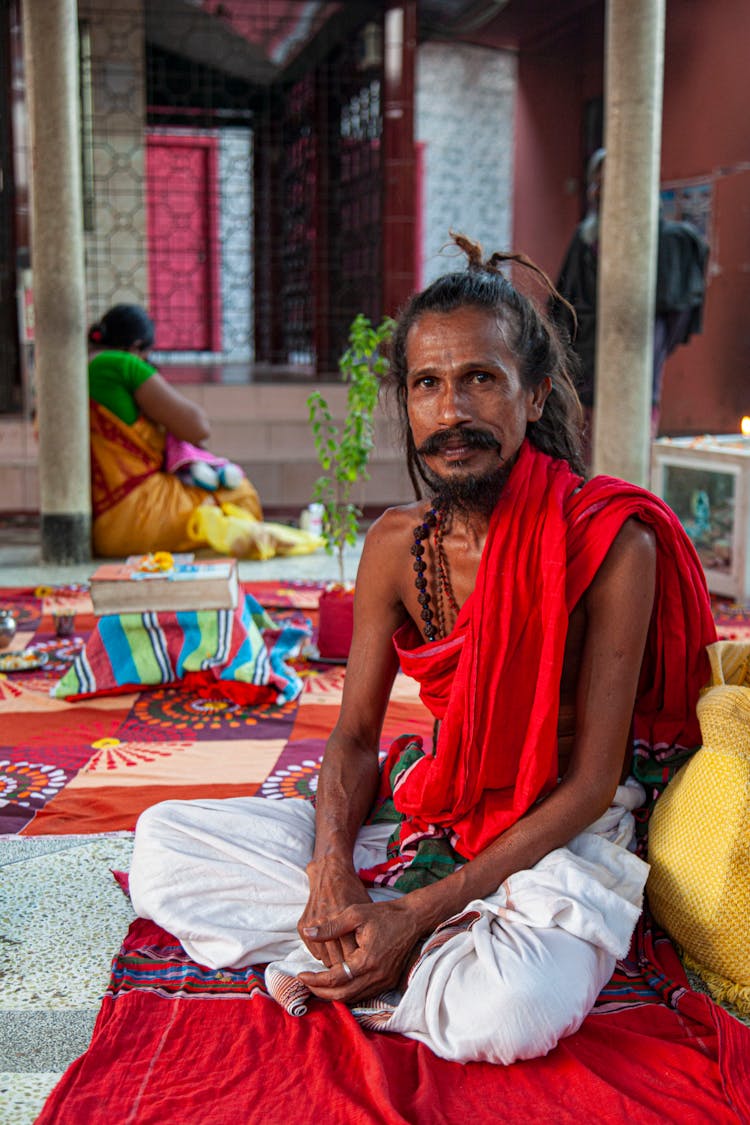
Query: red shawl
[(494, 683)]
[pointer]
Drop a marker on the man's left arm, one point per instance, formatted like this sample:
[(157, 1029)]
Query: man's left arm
[(618, 607)]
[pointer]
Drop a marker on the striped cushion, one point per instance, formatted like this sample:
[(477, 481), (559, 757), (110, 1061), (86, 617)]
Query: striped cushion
[(130, 651)]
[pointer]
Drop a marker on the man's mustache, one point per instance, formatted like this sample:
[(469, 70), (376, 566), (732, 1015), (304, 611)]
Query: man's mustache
[(477, 439)]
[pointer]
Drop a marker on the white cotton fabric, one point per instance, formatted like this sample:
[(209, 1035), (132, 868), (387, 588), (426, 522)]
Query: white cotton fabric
[(227, 877)]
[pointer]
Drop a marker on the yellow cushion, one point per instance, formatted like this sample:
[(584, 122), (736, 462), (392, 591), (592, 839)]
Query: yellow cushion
[(699, 836)]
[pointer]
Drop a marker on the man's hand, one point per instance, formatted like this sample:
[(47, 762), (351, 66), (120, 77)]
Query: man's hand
[(334, 885), (378, 940)]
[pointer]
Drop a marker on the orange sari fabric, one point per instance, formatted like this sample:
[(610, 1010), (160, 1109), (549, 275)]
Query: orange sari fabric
[(137, 508)]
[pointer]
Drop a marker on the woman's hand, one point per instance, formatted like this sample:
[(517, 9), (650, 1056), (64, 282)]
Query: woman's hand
[(378, 940)]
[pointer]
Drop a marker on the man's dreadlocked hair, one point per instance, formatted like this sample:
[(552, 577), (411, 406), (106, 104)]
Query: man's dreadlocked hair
[(531, 337)]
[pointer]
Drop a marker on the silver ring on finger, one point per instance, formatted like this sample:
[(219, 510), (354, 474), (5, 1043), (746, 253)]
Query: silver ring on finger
[(347, 970)]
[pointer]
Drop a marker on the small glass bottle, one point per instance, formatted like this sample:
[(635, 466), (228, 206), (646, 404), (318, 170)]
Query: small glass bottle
[(311, 519)]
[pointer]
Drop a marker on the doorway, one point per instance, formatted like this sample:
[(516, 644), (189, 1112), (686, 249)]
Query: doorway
[(183, 257)]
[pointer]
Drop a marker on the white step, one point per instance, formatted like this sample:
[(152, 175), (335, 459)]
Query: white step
[(263, 427)]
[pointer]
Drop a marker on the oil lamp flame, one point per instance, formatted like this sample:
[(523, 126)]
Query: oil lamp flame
[(745, 426)]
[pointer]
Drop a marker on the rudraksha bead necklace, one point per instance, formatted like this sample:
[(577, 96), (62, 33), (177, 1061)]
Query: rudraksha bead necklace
[(422, 532), (444, 584), (434, 518)]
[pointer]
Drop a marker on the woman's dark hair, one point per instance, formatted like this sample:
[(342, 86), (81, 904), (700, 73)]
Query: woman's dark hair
[(532, 338), (121, 327)]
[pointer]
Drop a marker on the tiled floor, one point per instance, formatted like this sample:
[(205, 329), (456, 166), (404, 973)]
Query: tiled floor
[(20, 565), (62, 915)]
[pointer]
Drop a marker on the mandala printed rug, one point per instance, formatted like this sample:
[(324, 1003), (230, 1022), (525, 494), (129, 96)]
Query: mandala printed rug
[(93, 766)]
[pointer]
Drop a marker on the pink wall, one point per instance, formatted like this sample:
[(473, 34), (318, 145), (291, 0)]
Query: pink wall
[(554, 84), (706, 135)]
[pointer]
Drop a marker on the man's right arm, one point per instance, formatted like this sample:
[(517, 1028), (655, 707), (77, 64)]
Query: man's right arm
[(349, 774)]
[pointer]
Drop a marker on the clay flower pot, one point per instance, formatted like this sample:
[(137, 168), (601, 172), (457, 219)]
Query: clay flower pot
[(335, 622)]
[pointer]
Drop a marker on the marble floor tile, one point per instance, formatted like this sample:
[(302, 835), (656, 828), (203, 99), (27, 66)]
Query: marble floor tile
[(23, 1095), (32, 1041), (62, 918), (17, 849), (22, 566)]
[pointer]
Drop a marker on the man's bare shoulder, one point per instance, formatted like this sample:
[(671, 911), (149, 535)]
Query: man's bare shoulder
[(635, 542), (630, 562), (386, 564), (395, 524)]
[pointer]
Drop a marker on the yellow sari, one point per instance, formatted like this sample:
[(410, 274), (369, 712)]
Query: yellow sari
[(137, 508)]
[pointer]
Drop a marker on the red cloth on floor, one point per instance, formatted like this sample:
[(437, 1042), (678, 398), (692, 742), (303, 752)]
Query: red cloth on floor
[(155, 1061), (495, 681)]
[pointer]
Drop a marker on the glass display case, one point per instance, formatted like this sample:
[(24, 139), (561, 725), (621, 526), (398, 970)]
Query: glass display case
[(705, 482)]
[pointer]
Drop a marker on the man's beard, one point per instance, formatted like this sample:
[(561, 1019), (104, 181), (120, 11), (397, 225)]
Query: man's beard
[(470, 493)]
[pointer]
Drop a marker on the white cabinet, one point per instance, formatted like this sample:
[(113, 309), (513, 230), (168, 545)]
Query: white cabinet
[(706, 482)]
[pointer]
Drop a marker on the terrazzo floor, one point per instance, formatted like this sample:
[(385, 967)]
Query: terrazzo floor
[(62, 915)]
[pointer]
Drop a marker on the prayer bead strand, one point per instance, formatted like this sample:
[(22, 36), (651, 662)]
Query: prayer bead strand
[(444, 585), (435, 519), (422, 532)]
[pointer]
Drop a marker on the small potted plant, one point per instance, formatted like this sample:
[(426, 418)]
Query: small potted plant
[(343, 454)]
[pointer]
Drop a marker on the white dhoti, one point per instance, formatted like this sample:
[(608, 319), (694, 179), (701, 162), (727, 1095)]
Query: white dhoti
[(506, 980)]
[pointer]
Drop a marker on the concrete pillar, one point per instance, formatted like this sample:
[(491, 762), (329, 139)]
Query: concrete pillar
[(399, 156), (628, 238), (50, 32)]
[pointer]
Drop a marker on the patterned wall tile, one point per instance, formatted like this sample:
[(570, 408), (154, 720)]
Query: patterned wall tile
[(464, 117)]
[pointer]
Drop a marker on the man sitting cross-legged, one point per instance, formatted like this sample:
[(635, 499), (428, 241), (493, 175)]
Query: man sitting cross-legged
[(473, 895)]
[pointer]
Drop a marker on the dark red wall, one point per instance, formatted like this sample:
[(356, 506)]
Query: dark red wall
[(706, 135), (555, 81)]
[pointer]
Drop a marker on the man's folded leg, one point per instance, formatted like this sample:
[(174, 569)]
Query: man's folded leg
[(518, 971), (226, 877)]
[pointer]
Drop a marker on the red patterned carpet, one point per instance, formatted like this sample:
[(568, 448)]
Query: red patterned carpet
[(175, 1042), (732, 621), (94, 765)]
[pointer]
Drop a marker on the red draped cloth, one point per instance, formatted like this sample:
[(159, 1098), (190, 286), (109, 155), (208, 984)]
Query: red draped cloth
[(494, 683)]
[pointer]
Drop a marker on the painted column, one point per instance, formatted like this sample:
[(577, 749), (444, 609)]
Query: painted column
[(324, 359), (399, 157), (50, 30), (628, 238)]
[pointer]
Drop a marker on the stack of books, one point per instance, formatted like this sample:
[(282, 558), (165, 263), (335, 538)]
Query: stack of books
[(187, 585)]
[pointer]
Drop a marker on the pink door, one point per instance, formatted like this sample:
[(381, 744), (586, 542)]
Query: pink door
[(182, 240)]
